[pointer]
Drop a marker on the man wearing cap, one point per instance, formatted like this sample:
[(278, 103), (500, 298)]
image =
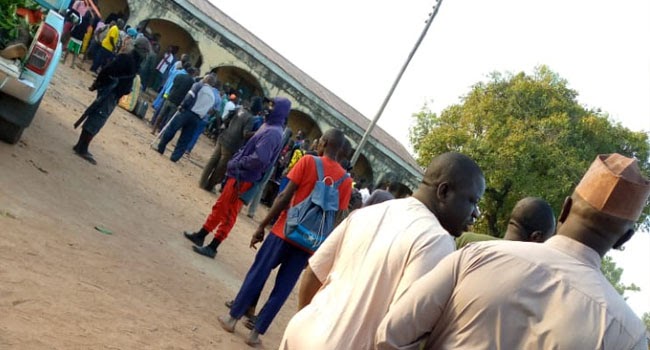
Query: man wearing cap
[(531, 220), (229, 106), (516, 295)]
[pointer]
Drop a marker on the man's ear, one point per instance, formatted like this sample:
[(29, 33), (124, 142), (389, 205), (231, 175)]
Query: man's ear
[(566, 208), (537, 237), (628, 234), (442, 191)]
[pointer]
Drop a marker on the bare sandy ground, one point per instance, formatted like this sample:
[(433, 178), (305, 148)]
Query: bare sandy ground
[(65, 285)]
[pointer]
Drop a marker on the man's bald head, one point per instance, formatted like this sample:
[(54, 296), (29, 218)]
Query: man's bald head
[(531, 220), (451, 188), (331, 143), (451, 167)]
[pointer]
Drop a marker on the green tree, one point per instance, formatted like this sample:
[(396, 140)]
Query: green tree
[(613, 274), (530, 136), (646, 320)]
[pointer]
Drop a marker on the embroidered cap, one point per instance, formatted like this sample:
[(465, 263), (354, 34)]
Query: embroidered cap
[(615, 186)]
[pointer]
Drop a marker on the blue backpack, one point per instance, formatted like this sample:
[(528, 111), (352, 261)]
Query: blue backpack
[(311, 221)]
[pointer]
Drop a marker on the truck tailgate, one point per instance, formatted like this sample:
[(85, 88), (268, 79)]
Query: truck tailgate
[(10, 82)]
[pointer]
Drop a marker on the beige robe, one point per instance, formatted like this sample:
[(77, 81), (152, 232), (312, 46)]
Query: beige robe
[(374, 255), (514, 295)]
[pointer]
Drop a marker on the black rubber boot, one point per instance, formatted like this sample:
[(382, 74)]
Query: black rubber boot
[(196, 237), (209, 250), (81, 148)]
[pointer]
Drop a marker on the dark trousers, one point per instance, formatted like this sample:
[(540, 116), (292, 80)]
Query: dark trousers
[(166, 112), (188, 121), (102, 56), (274, 252)]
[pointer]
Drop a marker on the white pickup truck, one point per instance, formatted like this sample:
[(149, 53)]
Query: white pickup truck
[(23, 83)]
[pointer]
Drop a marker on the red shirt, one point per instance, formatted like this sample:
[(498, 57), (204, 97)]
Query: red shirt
[(305, 176)]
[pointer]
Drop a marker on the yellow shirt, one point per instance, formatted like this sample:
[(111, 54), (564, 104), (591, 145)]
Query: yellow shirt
[(112, 37), (514, 295)]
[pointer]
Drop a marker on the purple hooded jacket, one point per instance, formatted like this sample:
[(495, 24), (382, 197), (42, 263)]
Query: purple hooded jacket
[(254, 159)]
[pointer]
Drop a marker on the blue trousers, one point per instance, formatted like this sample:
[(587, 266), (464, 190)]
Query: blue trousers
[(101, 57), (197, 134), (274, 252), (188, 122)]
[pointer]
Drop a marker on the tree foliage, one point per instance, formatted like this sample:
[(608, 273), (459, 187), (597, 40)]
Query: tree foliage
[(529, 135), (613, 275), (646, 320)]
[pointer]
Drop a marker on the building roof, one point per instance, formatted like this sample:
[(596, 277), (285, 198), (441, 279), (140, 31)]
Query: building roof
[(308, 82)]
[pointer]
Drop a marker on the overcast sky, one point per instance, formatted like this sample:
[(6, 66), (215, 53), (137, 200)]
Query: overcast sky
[(356, 48)]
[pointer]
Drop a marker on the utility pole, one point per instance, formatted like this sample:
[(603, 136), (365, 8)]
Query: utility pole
[(364, 139)]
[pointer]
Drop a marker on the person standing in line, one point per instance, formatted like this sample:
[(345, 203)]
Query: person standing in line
[(165, 90), (106, 51), (394, 190), (519, 295), (231, 139), (189, 117), (245, 168), (113, 82), (229, 106), (252, 206), (204, 122), (531, 220), (277, 251), (182, 84), (378, 252)]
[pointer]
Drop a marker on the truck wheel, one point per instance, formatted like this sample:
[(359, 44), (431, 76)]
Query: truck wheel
[(9, 132), (15, 116)]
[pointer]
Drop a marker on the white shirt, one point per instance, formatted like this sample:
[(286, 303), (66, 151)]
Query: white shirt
[(204, 101), (514, 295), (368, 260), (227, 108), (165, 62)]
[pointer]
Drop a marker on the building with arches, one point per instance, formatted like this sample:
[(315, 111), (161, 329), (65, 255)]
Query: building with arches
[(217, 43)]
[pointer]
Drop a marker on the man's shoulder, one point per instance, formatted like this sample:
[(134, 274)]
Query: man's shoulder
[(470, 237)]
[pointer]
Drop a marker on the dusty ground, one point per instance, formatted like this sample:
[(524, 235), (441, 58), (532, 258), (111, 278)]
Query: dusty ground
[(65, 285)]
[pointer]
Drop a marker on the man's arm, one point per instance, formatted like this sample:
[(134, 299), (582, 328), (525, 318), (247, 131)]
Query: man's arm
[(309, 285), (281, 202), (418, 310)]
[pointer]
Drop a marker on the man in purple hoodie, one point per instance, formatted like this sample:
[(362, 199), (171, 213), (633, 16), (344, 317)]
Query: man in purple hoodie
[(246, 167)]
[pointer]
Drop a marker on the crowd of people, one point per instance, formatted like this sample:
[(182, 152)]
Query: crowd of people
[(391, 269)]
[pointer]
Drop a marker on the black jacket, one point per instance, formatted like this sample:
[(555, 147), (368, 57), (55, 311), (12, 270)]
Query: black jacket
[(123, 68)]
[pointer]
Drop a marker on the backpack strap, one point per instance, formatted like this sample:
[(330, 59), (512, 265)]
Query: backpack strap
[(319, 168), (339, 181)]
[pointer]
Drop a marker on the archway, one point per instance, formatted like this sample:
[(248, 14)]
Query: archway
[(239, 81), (114, 9), (171, 34), (362, 171), (302, 121)]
